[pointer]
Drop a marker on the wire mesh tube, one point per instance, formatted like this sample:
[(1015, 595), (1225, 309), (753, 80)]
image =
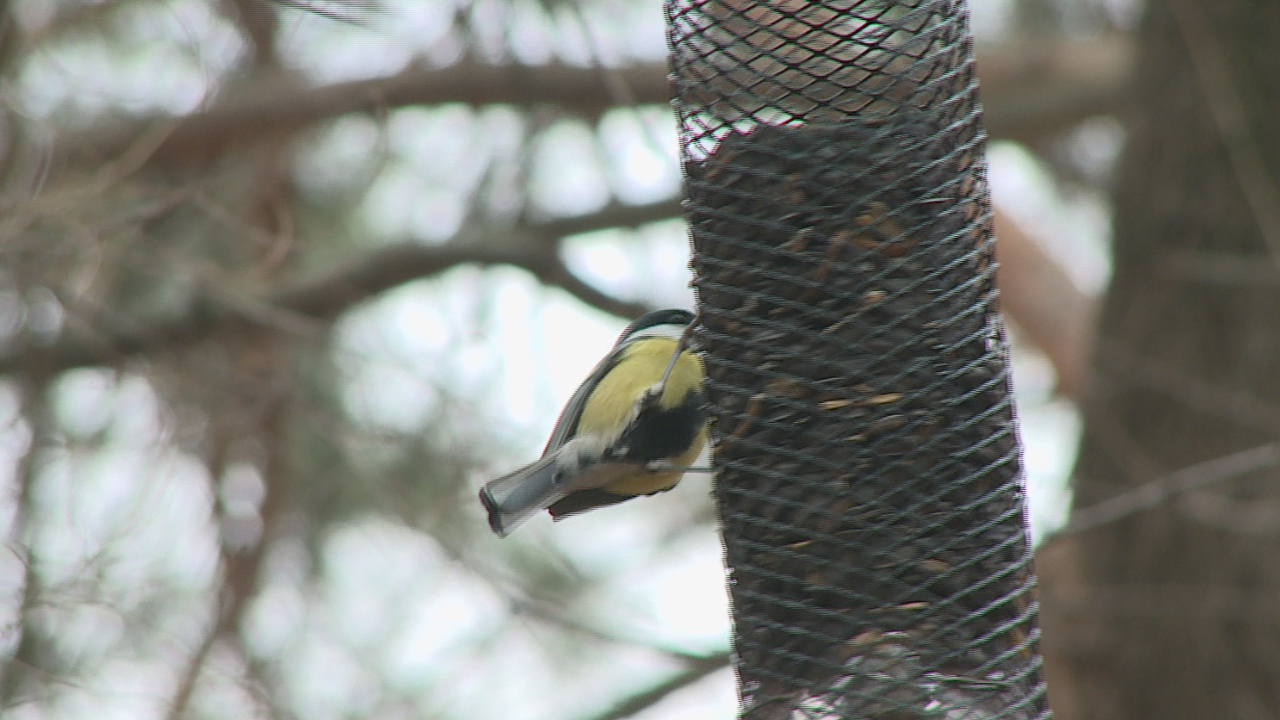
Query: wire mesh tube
[(868, 469)]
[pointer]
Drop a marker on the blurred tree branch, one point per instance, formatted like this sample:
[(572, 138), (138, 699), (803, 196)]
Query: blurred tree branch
[(282, 107), (696, 670), (549, 612), (1029, 92), (262, 368), (257, 21), (612, 216), (1037, 293), (19, 667), (1034, 91), (322, 299), (259, 414), (399, 264)]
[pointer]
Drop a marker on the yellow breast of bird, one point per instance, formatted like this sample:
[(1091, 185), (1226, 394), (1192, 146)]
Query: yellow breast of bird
[(610, 406), (640, 367)]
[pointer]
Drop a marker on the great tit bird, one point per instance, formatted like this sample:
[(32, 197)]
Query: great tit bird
[(632, 428)]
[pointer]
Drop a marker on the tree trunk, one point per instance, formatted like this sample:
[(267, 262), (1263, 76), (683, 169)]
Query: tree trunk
[(1170, 612)]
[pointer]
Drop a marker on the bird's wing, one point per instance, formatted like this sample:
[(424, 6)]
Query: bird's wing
[(567, 424)]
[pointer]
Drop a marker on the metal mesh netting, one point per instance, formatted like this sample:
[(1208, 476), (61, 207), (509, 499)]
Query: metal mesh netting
[(868, 474)]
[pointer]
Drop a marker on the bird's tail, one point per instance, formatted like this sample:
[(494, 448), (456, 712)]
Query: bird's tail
[(513, 499)]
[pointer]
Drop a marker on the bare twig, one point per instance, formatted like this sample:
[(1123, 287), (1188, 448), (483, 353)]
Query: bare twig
[(241, 566), (1113, 358), (347, 17), (259, 24), (1227, 108), (396, 265), (612, 216), (1149, 495), (195, 664), (549, 613), (695, 671), (16, 669)]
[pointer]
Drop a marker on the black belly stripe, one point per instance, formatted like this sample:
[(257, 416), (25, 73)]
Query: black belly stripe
[(659, 433)]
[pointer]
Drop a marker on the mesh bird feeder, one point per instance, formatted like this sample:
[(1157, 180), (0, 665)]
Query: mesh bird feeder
[(868, 470)]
